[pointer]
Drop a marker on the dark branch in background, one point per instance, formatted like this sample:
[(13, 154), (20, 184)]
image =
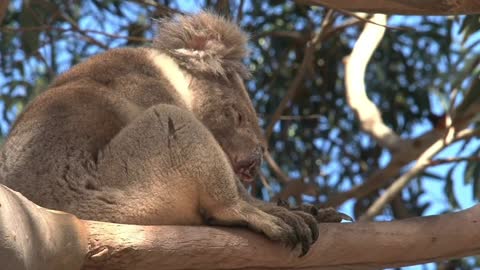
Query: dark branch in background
[(222, 7), (442, 161), (278, 33), (422, 163), (462, 115), (407, 7), (294, 87), (160, 9), (240, 11), (380, 178), (84, 31), (302, 71), (281, 176), (325, 32), (301, 117), (296, 189), (3, 9)]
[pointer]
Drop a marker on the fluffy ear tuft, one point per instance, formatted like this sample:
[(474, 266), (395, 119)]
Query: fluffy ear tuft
[(205, 43)]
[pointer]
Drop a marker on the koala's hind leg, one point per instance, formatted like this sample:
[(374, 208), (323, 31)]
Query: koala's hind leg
[(173, 171)]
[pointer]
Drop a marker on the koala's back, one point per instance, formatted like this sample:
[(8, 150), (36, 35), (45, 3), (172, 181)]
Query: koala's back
[(51, 151)]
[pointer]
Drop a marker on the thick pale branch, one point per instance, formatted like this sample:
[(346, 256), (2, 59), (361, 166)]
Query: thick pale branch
[(411, 149), (407, 7), (355, 66), (32, 237)]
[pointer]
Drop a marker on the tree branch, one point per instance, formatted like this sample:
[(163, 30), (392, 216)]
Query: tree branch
[(423, 161), (355, 66), (462, 115), (302, 70), (3, 9), (281, 176), (35, 238), (407, 7), (403, 151), (409, 151), (442, 161)]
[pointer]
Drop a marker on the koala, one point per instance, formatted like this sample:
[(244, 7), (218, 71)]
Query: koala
[(158, 135)]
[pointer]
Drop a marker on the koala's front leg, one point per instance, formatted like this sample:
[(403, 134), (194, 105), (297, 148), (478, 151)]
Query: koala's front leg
[(296, 217), (175, 172), (310, 214)]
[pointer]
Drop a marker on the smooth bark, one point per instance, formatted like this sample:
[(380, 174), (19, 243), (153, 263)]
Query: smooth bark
[(32, 237), (406, 7)]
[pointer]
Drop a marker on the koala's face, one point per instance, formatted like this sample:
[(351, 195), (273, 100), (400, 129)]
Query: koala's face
[(226, 109)]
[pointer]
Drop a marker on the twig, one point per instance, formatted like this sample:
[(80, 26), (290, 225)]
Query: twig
[(164, 10), (464, 113), (366, 20), (423, 162), (302, 37), (3, 9), (307, 58), (240, 11), (442, 161), (49, 28), (280, 33), (281, 176), (296, 189), (266, 184), (77, 29), (301, 117), (409, 152)]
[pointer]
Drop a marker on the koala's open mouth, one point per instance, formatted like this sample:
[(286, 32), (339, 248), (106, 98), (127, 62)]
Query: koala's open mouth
[(246, 176), (247, 169)]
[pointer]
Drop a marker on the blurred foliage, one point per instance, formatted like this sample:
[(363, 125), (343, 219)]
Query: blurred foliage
[(317, 140)]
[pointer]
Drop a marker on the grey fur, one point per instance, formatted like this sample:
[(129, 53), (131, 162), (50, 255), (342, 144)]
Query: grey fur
[(112, 140)]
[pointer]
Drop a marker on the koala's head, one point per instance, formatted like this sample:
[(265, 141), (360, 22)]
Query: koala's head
[(211, 49)]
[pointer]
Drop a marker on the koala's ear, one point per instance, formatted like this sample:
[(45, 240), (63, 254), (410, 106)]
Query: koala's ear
[(204, 42)]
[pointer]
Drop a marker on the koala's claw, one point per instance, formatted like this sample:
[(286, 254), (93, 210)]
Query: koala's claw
[(304, 229), (322, 215), (330, 215)]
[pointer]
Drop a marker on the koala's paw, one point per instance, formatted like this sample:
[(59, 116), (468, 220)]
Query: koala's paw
[(303, 227), (322, 215)]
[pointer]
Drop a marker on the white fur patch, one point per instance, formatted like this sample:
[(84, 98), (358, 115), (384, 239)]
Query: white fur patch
[(178, 78), (191, 52)]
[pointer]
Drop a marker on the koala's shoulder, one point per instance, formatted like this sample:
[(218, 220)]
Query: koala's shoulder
[(105, 67)]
